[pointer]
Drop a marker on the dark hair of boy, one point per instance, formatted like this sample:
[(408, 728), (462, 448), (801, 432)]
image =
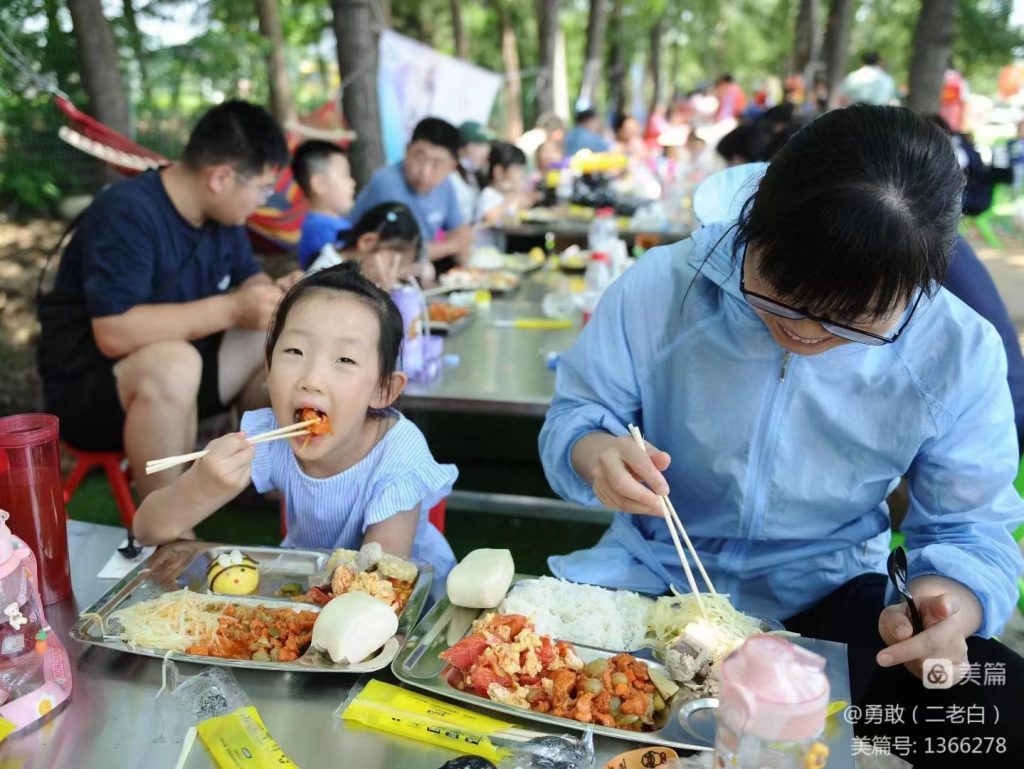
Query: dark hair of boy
[(504, 155), (620, 120), (345, 278), (585, 116), (438, 132), (870, 59), (311, 158), (898, 222), (238, 134)]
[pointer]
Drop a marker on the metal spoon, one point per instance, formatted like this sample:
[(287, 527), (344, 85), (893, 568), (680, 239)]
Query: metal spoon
[(897, 565), (130, 550)]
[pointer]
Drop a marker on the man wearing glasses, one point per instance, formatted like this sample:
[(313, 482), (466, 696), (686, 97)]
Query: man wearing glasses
[(158, 310), (421, 182)]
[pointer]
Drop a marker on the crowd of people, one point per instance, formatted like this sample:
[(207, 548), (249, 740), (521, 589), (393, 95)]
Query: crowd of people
[(795, 356)]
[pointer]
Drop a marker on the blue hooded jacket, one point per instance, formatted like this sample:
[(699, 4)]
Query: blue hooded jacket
[(781, 464)]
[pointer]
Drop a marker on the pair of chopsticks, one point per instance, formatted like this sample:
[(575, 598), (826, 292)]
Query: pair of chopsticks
[(288, 431), (674, 523)]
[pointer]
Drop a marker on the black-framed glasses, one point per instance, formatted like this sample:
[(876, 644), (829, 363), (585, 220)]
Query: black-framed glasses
[(851, 334)]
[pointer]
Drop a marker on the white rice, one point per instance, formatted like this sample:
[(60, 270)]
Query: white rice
[(592, 616)]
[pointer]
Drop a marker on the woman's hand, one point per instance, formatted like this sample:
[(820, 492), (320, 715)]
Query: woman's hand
[(227, 469), (621, 471), (944, 635)]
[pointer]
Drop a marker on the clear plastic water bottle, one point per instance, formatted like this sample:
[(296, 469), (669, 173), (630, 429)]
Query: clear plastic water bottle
[(595, 280), (603, 231)]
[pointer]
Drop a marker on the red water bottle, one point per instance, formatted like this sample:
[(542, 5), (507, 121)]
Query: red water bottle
[(32, 492)]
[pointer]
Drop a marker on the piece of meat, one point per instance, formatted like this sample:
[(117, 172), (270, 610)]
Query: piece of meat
[(583, 712), (563, 683), (636, 704), (464, 654)]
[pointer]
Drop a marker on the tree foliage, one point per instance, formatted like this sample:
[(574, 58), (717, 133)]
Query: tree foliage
[(171, 83)]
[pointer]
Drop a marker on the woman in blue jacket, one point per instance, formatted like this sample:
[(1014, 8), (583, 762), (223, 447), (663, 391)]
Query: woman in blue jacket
[(787, 369)]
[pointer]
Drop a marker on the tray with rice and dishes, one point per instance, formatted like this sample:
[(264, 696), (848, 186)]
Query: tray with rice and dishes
[(268, 608), (574, 656)]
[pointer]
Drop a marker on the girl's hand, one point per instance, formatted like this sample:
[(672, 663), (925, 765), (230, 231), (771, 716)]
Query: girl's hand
[(620, 472), (226, 470), (943, 636)]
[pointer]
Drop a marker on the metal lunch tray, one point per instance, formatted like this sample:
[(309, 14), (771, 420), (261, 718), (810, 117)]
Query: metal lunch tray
[(183, 565), (690, 721)]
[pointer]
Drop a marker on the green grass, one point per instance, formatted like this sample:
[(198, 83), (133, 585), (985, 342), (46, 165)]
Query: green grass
[(531, 540)]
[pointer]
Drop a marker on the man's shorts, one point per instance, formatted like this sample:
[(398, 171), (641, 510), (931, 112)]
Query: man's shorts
[(90, 411)]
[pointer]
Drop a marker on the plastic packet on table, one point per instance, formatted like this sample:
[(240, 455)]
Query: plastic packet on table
[(410, 714), (225, 720)]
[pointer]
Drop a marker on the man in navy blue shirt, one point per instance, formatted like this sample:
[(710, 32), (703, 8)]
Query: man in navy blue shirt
[(421, 182), (158, 310)]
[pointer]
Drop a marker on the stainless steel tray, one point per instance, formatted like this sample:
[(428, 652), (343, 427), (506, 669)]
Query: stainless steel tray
[(689, 725), (183, 564)]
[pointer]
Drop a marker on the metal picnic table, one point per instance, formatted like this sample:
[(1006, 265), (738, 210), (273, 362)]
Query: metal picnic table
[(114, 720)]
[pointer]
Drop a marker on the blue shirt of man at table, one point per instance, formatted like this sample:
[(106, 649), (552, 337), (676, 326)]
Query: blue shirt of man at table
[(586, 135), (421, 182)]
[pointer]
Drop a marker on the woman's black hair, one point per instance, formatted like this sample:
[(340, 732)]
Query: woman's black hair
[(347, 279), (390, 221), (856, 213), (504, 155)]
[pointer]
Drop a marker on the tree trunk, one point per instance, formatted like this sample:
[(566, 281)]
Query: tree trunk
[(513, 81), (673, 69), (806, 42), (357, 59), (98, 57), (595, 52), (837, 44), (385, 11), (654, 63), (617, 63), (461, 44), (547, 32), (933, 40), (281, 104)]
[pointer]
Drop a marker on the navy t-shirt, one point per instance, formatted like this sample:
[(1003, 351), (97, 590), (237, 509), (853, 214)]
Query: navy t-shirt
[(132, 247)]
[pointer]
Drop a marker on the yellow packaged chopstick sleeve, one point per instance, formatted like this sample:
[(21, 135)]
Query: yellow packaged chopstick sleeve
[(239, 740), (408, 714)]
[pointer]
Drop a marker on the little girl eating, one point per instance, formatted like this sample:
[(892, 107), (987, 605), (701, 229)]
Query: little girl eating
[(333, 347)]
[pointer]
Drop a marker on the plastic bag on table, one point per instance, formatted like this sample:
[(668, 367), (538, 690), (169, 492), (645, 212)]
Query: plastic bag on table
[(217, 707), (410, 714)]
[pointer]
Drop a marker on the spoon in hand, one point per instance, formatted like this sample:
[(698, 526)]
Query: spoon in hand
[(897, 565)]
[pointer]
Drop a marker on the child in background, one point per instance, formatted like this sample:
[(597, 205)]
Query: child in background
[(333, 347), (322, 171), (386, 244), (506, 192)]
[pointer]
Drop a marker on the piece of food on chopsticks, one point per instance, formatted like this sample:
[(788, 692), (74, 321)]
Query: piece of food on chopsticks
[(319, 428), (443, 312), (186, 622), (504, 659), (691, 645), (353, 626), (233, 573), (481, 579), (368, 570)]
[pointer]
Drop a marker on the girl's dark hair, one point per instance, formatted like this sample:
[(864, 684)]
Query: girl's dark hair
[(856, 212), (390, 221), (346, 278), (504, 155)]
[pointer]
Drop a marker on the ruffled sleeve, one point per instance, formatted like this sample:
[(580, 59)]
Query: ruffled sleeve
[(254, 423), (408, 476)]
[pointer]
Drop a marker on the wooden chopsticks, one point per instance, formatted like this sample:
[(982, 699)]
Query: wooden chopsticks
[(674, 523), (288, 431)]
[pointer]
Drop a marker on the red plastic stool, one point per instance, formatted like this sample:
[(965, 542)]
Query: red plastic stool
[(114, 465), (435, 516)]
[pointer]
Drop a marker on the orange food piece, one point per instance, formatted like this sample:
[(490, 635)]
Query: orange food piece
[(322, 427), (442, 312)]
